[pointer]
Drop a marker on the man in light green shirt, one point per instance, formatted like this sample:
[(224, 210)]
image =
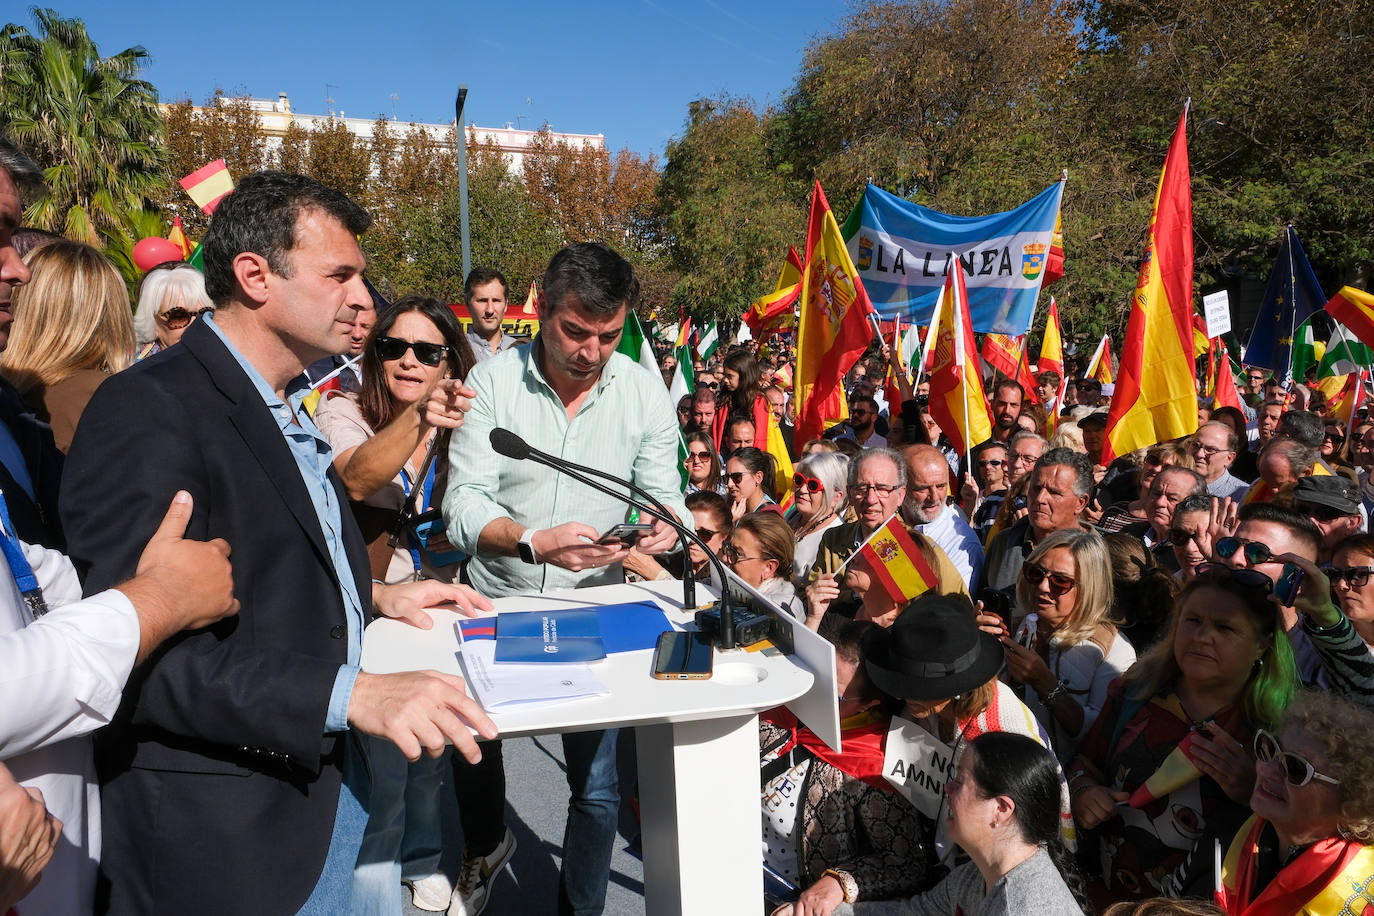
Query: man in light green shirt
[(530, 529)]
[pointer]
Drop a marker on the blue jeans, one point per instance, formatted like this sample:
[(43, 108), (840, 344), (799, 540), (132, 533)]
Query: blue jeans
[(404, 836), (593, 813), (332, 891)]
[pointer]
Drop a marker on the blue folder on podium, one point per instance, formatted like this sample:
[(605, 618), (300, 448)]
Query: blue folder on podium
[(624, 627)]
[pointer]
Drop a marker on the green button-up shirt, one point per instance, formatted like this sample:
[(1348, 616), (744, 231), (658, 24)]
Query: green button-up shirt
[(625, 426)]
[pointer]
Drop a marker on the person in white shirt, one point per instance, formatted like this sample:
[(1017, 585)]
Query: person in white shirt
[(927, 508), (70, 665)]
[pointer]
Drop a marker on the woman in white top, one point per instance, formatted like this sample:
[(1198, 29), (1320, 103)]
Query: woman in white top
[(818, 492), (1065, 652), (382, 434)]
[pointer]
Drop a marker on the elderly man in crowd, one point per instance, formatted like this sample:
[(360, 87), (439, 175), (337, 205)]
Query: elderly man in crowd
[(1214, 448), (1058, 493), (877, 489), (927, 507), (1023, 451), (1333, 505), (1282, 464), (1171, 486)]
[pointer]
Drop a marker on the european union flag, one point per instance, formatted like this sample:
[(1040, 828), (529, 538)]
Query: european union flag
[(1292, 295)]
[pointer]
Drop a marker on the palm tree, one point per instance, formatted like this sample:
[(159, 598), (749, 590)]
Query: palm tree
[(87, 119)]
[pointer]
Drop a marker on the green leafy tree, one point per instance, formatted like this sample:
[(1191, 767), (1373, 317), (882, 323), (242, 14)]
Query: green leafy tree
[(89, 120)]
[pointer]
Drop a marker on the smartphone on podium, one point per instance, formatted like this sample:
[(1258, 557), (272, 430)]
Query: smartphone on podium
[(683, 656)]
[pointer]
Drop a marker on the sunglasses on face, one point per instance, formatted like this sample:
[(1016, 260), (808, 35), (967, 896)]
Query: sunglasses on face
[(1180, 536), (736, 476), (730, 554), (428, 354), (1255, 552), (1357, 576), (706, 533), (1059, 583), (698, 456), (712, 385), (178, 317), (811, 484), (1297, 771), (1250, 577), (991, 463)]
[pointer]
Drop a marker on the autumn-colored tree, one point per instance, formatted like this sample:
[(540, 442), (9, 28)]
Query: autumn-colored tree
[(223, 128), (293, 153), (338, 158)]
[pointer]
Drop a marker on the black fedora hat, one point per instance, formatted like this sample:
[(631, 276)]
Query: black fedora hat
[(934, 651)]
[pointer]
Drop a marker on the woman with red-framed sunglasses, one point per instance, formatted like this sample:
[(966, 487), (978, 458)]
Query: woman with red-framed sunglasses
[(818, 493)]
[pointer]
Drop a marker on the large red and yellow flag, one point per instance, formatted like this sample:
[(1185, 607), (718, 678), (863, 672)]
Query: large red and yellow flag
[(1354, 308), (1156, 387), (956, 386), (1052, 344), (833, 329), (897, 562)]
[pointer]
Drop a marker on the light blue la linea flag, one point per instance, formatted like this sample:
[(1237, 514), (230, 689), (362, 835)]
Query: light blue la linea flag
[(901, 250)]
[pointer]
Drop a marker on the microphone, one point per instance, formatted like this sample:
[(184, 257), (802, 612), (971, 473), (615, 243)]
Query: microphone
[(508, 444)]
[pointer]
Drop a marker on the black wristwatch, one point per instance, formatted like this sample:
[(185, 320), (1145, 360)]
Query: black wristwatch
[(526, 547)]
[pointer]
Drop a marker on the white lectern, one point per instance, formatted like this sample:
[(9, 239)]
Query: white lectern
[(697, 740)]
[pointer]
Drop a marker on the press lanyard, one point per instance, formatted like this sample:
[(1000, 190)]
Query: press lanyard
[(19, 565), (427, 494)]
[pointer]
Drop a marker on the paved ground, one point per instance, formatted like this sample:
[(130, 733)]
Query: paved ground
[(536, 808)]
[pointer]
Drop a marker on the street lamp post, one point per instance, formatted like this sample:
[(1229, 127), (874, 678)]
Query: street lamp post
[(462, 152)]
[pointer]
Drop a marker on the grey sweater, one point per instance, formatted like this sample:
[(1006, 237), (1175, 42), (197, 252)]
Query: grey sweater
[(1034, 886)]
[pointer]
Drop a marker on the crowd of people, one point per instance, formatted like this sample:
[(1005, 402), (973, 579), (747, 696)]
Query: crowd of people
[(1121, 673)]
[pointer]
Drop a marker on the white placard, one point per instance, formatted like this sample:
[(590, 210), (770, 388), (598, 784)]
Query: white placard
[(918, 765), (1216, 310)]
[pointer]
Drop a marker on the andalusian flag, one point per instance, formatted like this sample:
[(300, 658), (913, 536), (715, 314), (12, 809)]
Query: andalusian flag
[(207, 184), (1307, 351), (709, 342), (832, 328), (684, 379), (1100, 366), (1052, 343), (897, 562), (956, 386), (1344, 354), (1156, 387), (635, 345)]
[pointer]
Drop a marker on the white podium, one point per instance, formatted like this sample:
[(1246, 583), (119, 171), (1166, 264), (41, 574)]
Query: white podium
[(697, 740)]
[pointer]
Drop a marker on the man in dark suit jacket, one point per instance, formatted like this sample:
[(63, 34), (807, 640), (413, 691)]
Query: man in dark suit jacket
[(222, 773)]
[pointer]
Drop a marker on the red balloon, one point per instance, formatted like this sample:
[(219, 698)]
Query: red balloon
[(154, 250)]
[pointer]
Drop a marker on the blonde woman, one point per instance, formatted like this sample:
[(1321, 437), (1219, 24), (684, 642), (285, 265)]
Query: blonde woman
[(1065, 652), (72, 328)]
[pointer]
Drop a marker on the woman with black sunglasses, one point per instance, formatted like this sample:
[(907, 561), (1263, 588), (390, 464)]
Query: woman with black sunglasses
[(1169, 753), (704, 472), (1352, 566), (382, 434), (1306, 848)]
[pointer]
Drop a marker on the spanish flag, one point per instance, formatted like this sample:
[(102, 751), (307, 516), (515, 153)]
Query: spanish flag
[(1156, 388), (1354, 308), (208, 184), (1100, 366), (178, 238), (1347, 404), (956, 386), (1221, 383), (1052, 344), (897, 562), (1054, 264), (771, 313), (833, 329), (1003, 353), (1177, 771)]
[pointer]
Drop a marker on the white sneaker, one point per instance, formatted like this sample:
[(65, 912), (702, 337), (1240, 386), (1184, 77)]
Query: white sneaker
[(475, 880), (431, 893)]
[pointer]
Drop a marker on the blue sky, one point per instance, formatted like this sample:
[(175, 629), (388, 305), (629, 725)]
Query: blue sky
[(627, 70)]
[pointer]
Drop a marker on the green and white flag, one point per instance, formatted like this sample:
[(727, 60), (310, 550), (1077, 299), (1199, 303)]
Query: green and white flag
[(1344, 354), (635, 345), (1304, 351), (684, 380), (710, 340)]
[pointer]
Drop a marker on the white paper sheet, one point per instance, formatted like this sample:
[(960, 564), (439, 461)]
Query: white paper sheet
[(508, 684)]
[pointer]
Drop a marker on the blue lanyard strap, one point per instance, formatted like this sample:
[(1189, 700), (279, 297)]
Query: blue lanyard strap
[(426, 496), (19, 565)]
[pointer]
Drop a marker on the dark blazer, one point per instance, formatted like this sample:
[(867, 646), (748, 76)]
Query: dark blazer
[(219, 784), (35, 520)]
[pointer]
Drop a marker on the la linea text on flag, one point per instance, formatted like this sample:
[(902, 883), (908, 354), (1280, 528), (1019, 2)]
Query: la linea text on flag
[(956, 385), (776, 311), (833, 328), (901, 251), (897, 562), (207, 184), (1292, 294), (1156, 383), (1100, 366)]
